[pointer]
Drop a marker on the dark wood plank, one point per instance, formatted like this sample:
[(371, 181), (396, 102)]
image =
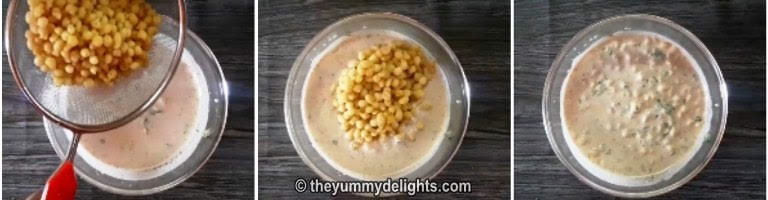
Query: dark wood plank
[(227, 27), (478, 31), (735, 33)]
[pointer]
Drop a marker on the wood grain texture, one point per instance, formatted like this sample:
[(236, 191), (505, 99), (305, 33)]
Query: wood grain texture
[(227, 27), (734, 31), (478, 32)]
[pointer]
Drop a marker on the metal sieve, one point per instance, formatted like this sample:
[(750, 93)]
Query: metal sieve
[(92, 110)]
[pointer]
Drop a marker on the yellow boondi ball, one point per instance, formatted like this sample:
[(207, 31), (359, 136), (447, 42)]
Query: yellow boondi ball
[(374, 95), (90, 42)]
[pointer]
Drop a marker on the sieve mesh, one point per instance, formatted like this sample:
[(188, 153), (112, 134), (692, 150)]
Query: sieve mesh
[(102, 105)]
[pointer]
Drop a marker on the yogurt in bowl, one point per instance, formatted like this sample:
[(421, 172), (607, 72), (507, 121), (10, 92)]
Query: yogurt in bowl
[(160, 139), (635, 108)]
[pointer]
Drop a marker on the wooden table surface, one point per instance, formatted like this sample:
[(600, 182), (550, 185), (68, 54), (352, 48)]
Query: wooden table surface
[(477, 31), (227, 27), (734, 31)]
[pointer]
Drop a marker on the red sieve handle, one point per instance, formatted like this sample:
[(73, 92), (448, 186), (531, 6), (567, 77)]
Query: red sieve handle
[(63, 184)]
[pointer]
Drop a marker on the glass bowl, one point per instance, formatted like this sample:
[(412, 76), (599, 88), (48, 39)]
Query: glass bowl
[(430, 41), (551, 103), (212, 125)]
